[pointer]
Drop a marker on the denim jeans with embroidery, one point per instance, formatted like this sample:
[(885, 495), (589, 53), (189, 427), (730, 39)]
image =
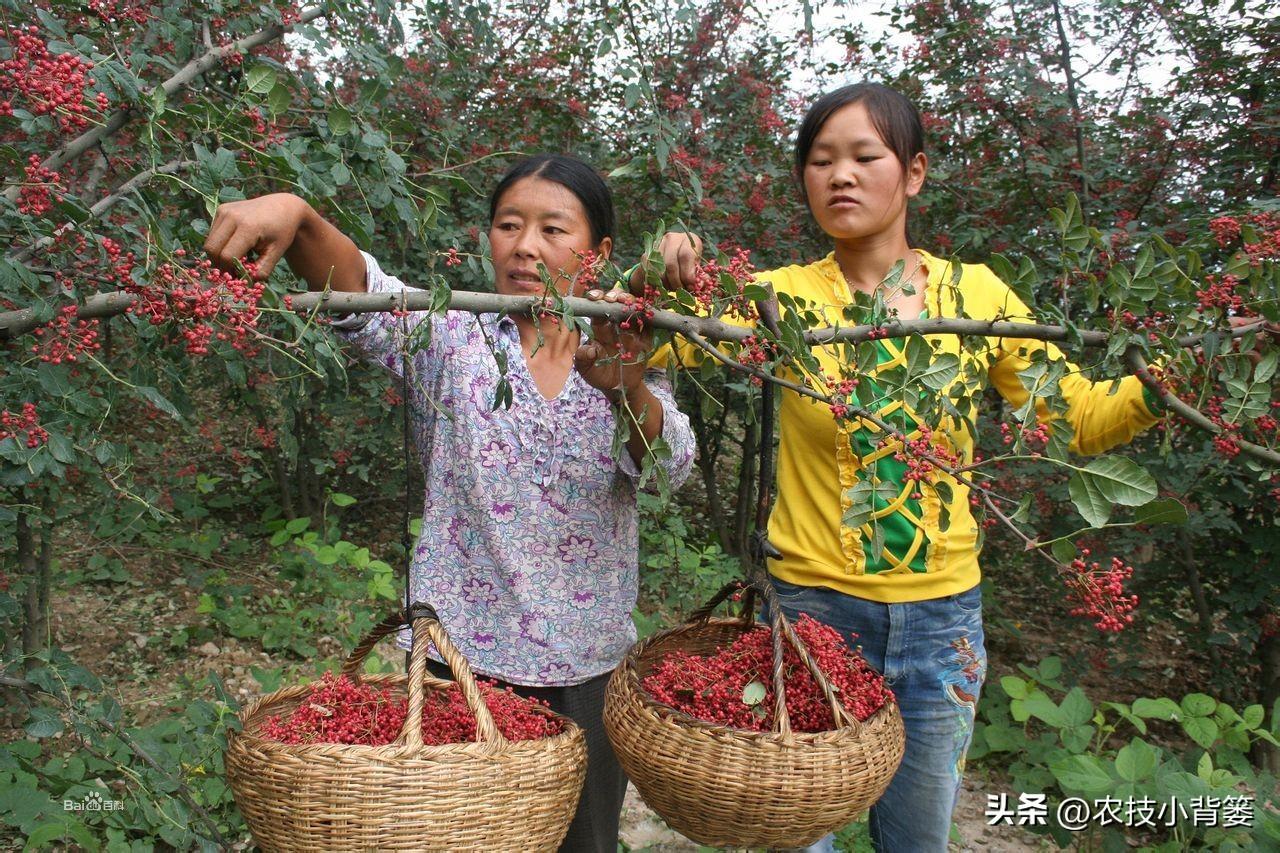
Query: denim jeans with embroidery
[(932, 654)]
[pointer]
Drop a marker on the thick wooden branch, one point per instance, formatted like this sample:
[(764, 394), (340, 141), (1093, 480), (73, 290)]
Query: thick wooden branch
[(184, 75), (15, 323), (699, 330)]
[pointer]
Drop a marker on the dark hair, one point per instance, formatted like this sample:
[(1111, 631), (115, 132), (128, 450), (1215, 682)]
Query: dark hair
[(572, 174), (896, 119)]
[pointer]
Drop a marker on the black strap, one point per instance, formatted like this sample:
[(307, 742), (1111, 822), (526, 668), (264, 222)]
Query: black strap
[(761, 549)]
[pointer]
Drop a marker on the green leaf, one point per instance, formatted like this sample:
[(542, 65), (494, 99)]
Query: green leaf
[(1064, 550), (1252, 717), (340, 499), (43, 722), (940, 372), (58, 828), (1202, 730), (61, 448), (753, 693), (1161, 511), (1122, 480), (279, 99), (1076, 708), (1076, 738), (1198, 705), (1090, 503), (1136, 761), (297, 525), (339, 121), (1082, 773), (1015, 687), (1157, 709), (1043, 708), (154, 397), (260, 79)]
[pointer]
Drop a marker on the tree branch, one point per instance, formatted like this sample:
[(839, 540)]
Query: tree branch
[(183, 792), (1138, 365), (102, 206), (181, 78)]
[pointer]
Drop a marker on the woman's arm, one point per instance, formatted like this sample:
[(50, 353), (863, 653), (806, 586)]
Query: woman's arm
[(1102, 415), (284, 225)]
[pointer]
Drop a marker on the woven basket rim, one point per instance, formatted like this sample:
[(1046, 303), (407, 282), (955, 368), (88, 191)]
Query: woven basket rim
[(626, 671), (261, 707)]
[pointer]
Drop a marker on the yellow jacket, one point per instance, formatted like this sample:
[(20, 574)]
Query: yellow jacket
[(817, 467)]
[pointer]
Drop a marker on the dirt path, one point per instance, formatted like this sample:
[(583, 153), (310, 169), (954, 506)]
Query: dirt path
[(643, 830)]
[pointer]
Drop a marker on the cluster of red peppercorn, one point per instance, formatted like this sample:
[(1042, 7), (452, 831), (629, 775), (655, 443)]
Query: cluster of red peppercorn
[(1227, 230), (1220, 292), (268, 132), (1099, 593), (1034, 438), (205, 302), (589, 265), (923, 457), (24, 427), (338, 710), (118, 11), (65, 338), (1154, 320), (841, 392), (714, 688), (724, 283), (49, 85), (642, 308), (36, 196)]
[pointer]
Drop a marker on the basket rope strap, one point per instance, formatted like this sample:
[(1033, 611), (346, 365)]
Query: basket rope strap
[(404, 447), (761, 550)]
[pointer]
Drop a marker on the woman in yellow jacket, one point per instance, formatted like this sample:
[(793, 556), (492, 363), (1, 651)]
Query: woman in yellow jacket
[(915, 607)]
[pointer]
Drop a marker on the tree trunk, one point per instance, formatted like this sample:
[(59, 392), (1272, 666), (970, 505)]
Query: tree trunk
[(1266, 756), (301, 476), (1204, 615), (34, 555), (284, 485), (708, 456)]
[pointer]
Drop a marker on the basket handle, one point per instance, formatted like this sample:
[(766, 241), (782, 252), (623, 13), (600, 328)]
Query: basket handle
[(779, 628), (427, 626), (748, 612)]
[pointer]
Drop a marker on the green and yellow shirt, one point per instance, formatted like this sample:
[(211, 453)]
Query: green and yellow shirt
[(820, 457)]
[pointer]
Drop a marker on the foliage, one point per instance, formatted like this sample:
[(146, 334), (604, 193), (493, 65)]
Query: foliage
[(1110, 198), (1155, 751)]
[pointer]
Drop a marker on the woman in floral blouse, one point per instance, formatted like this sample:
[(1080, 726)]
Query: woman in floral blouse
[(529, 539)]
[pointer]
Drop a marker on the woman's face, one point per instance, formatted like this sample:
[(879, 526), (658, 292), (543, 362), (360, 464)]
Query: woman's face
[(539, 222), (856, 186)]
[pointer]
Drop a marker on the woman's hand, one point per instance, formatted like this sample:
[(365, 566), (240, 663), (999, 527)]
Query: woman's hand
[(284, 225), (613, 360), (681, 254), (1268, 333), (266, 225)]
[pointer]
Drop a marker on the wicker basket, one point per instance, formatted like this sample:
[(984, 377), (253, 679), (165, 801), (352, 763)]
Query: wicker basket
[(728, 787), (492, 794)]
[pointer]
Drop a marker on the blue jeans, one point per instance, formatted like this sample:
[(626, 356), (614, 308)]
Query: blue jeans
[(933, 656)]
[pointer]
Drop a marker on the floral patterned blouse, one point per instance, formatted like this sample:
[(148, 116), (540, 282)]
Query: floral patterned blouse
[(530, 536)]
